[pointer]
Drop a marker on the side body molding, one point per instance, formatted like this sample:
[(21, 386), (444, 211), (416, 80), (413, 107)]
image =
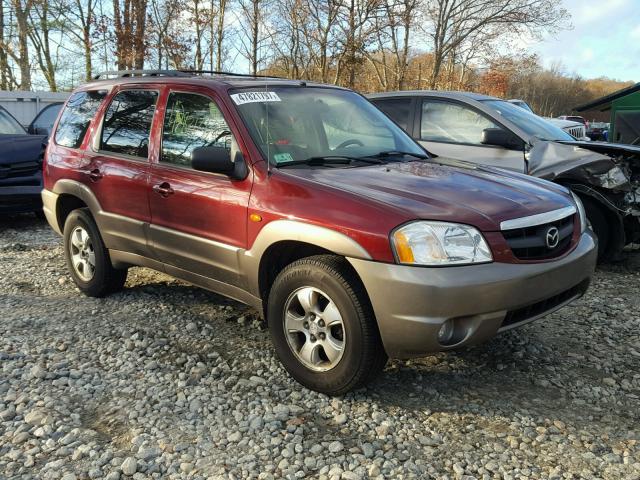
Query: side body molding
[(291, 230)]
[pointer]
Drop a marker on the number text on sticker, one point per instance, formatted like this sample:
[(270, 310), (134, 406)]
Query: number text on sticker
[(254, 97)]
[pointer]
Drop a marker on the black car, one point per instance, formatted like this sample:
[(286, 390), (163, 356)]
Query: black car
[(21, 161)]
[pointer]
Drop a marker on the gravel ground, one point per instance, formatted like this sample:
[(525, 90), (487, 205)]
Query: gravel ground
[(165, 380)]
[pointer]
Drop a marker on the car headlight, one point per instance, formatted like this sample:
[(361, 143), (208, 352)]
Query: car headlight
[(439, 243), (581, 212)]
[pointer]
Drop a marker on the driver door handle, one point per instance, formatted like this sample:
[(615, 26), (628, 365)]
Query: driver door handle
[(163, 189)]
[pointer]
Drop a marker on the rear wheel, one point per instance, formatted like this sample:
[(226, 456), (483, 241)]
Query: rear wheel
[(323, 327), (87, 258)]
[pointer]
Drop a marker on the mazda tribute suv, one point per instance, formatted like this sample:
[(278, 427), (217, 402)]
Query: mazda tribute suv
[(306, 202)]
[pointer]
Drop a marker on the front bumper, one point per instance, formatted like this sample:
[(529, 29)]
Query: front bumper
[(20, 199), (411, 303)]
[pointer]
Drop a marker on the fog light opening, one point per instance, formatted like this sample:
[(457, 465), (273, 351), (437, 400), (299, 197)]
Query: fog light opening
[(445, 334)]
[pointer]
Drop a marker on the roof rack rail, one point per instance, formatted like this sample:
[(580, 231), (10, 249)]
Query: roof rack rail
[(228, 74), (172, 73), (140, 73)]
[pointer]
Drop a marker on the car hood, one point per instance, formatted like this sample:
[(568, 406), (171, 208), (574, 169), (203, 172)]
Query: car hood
[(446, 190), (21, 148), (593, 163)]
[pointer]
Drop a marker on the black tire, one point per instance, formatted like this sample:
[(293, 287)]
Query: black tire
[(600, 225), (105, 278), (363, 355)]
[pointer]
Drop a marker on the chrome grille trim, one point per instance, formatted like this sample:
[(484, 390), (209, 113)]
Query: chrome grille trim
[(538, 219)]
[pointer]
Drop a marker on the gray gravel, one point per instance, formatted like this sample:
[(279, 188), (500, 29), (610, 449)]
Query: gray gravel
[(165, 380)]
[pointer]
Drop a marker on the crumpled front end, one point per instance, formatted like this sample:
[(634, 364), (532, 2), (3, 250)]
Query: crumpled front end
[(610, 173)]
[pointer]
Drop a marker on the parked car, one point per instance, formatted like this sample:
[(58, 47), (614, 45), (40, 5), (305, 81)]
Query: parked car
[(20, 167), (576, 129), (42, 124), (598, 131), (575, 118), (306, 202), (490, 131)]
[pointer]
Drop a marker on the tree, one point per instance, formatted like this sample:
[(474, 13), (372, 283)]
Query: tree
[(130, 22), (319, 35), (252, 14), (394, 29), (44, 22), (21, 10), (82, 16), (165, 33), (217, 33), (455, 22), (358, 27)]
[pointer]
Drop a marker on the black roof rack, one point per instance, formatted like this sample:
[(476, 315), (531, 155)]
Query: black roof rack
[(172, 73)]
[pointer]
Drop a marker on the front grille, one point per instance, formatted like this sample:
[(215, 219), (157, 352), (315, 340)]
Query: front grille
[(530, 243), (540, 308), (16, 170), (577, 131)]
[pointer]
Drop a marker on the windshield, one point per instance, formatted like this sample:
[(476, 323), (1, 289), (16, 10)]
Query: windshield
[(528, 122), (293, 124), (9, 125)]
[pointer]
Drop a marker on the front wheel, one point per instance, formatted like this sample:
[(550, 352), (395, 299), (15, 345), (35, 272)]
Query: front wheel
[(600, 226), (87, 258), (322, 325)]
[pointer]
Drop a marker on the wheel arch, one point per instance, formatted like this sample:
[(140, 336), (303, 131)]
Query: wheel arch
[(282, 242), (613, 215), (66, 196)]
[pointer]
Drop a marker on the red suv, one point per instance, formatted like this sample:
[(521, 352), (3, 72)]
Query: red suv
[(308, 203)]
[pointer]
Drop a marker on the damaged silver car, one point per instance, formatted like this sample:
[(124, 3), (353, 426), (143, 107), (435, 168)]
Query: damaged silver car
[(486, 130)]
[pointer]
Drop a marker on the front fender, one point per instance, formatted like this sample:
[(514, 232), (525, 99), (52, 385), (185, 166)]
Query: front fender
[(290, 230)]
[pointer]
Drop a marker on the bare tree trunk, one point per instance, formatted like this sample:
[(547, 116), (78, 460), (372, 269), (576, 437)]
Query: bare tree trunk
[(22, 18), (39, 33), (4, 60), (255, 37), (222, 10), (130, 23), (199, 60)]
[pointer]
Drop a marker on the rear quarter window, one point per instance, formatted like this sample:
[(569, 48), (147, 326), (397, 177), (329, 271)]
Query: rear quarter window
[(76, 117)]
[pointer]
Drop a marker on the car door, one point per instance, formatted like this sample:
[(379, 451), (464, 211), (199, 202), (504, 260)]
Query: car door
[(42, 124), (454, 130), (117, 169), (198, 219)]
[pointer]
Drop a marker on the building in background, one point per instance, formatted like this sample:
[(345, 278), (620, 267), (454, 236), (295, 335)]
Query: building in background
[(24, 106), (625, 114)]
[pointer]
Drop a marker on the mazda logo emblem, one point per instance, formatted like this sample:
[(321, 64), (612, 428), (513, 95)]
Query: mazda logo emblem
[(552, 238)]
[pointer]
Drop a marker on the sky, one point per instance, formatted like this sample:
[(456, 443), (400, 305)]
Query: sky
[(604, 40)]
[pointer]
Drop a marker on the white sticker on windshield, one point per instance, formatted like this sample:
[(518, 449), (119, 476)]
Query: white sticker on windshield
[(254, 97)]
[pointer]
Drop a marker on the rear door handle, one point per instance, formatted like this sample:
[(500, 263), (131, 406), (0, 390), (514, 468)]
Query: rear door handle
[(94, 174), (163, 189)]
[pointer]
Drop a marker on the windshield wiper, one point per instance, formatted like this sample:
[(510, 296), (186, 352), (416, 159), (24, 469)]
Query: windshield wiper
[(330, 160), (398, 153)]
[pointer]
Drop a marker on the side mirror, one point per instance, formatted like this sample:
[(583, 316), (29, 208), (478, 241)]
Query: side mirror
[(501, 138), (218, 160)]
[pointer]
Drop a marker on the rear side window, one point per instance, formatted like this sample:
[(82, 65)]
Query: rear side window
[(76, 117), (398, 109), (127, 123)]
